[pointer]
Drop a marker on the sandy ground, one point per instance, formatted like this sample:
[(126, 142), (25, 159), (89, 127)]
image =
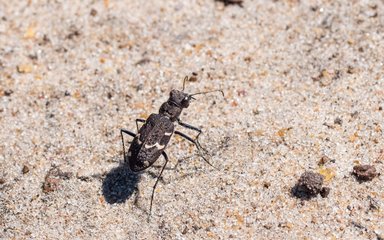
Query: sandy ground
[(302, 80)]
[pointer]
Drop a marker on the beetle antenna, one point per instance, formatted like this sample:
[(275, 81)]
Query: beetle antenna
[(219, 90), (185, 79)]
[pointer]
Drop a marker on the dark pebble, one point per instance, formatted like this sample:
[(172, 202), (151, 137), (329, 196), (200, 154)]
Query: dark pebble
[(311, 182), (364, 172)]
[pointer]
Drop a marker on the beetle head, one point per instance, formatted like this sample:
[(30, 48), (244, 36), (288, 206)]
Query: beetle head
[(174, 105), (179, 98)]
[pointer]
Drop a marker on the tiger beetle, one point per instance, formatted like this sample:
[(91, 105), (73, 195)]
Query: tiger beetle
[(152, 138)]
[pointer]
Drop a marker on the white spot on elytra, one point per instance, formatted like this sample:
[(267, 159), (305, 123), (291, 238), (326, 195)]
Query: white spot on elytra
[(157, 145), (168, 134)]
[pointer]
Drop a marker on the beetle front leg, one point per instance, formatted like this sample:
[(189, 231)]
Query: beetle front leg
[(196, 144), (186, 125)]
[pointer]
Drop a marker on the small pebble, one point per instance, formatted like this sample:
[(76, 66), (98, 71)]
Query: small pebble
[(25, 169), (266, 184), (143, 61), (231, 2), (93, 12), (325, 192), (268, 226), (364, 172), (193, 78), (323, 160), (338, 121), (185, 231), (8, 93)]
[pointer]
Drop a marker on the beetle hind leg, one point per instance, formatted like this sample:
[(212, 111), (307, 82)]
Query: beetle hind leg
[(157, 180)]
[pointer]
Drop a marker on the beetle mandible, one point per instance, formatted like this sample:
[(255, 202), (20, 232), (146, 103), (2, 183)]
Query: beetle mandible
[(152, 138)]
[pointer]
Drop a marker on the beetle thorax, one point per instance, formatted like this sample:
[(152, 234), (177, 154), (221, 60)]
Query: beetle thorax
[(173, 112)]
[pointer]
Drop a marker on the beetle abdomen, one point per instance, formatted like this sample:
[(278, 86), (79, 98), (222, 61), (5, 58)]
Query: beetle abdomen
[(150, 142)]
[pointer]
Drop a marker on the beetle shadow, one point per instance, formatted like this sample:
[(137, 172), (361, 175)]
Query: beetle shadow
[(120, 184)]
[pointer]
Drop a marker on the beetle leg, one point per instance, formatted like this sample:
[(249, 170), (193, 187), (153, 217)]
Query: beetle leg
[(196, 144), (136, 196), (139, 120), (157, 180), (186, 125), (122, 139)]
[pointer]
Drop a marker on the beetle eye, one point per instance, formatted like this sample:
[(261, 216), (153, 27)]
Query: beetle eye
[(185, 102)]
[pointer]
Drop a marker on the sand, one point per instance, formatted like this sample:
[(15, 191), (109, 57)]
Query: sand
[(302, 80)]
